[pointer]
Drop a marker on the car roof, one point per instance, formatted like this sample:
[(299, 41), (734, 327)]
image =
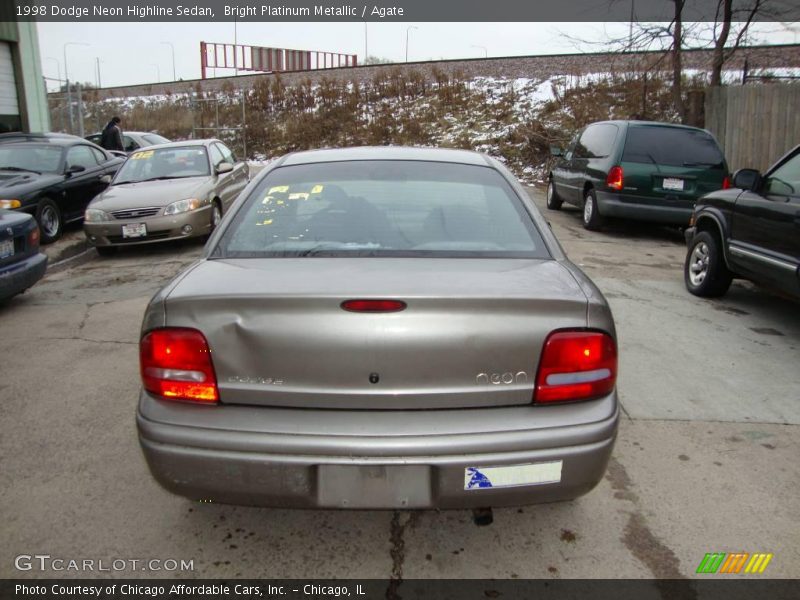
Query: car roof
[(184, 143), (386, 153), (49, 137), (126, 132), (640, 123)]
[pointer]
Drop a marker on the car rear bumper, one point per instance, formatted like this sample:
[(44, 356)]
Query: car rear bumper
[(420, 463), (19, 276), (159, 229), (645, 209)]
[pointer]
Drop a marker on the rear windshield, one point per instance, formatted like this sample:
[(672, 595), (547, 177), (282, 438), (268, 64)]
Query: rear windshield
[(382, 208), (672, 146)]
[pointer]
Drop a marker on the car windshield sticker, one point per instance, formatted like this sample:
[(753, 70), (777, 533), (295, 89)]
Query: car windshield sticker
[(141, 155)]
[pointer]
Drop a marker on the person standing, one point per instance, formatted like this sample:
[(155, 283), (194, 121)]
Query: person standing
[(111, 138)]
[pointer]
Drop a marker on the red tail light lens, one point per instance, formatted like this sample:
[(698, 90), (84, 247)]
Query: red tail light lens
[(373, 306), (726, 183), (176, 364), (576, 365), (615, 179), (33, 238)]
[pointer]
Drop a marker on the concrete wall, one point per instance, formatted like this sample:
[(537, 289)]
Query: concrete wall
[(534, 67), (33, 94)]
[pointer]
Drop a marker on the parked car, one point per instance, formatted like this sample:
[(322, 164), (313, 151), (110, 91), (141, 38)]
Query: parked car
[(21, 263), (167, 192), (750, 231), (134, 140), (53, 178), (380, 328), (636, 170)]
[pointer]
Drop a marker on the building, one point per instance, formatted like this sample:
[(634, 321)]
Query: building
[(23, 97)]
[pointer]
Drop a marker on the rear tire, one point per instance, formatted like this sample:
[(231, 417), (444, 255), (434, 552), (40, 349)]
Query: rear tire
[(554, 201), (51, 225), (705, 272), (591, 213)]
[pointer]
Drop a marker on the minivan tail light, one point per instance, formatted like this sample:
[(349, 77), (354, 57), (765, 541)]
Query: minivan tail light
[(576, 365), (176, 364), (726, 183), (615, 178)]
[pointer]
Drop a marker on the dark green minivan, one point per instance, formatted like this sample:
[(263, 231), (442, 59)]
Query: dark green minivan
[(636, 170)]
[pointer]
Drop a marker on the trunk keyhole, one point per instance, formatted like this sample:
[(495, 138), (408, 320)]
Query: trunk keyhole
[(374, 378)]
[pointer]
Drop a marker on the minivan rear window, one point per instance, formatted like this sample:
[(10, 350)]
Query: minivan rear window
[(672, 146)]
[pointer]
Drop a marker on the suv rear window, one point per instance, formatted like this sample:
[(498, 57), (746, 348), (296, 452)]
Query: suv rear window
[(672, 146)]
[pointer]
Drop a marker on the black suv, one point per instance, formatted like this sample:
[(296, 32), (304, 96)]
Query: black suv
[(750, 231), (636, 170)]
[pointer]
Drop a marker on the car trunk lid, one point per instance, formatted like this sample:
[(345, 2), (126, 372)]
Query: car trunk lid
[(470, 335)]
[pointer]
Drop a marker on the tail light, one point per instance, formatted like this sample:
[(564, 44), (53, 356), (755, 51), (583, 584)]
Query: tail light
[(176, 364), (373, 306), (576, 365), (615, 178), (33, 238), (726, 183)]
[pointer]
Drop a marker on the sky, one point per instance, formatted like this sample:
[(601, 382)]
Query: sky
[(133, 53)]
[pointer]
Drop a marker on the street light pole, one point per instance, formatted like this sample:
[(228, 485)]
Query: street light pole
[(66, 79), (174, 77), (410, 27), (366, 53), (99, 80)]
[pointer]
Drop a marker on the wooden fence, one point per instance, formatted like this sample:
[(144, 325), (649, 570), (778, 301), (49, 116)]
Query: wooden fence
[(754, 124)]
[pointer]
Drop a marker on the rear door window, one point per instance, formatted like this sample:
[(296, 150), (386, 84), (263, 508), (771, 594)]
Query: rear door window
[(597, 141), (672, 146)]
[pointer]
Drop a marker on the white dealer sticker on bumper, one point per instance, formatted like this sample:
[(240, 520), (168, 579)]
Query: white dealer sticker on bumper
[(476, 478)]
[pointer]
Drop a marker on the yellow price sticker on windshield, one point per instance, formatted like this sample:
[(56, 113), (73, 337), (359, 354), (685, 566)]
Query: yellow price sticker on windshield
[(145, 154), (317, 189), (278, 189)]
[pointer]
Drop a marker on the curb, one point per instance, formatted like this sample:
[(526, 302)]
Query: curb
[(67, 247)]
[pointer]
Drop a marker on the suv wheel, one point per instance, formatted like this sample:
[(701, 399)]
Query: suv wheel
[(591, 214), (705, 272), (553, 200)]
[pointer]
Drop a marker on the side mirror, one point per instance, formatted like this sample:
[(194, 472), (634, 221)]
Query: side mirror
[(556, 151), (224, 167), (105, 179), (74, 169), (746, 179)]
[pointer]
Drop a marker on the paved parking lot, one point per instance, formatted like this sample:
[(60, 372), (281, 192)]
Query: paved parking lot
[(706, 458)]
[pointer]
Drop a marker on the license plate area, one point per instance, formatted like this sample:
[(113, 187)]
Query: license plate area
[(483, 478), (671, 183), (370, 486), (6, 248), (134, 230)]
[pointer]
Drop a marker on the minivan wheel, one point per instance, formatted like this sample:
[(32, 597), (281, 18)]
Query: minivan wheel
[(705, 272), (591, 215), (554, 202)]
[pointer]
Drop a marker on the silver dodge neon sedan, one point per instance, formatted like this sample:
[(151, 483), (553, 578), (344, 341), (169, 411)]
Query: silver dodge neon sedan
[(380, 328)]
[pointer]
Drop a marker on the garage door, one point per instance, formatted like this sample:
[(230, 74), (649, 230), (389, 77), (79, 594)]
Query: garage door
[(9, 105)]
